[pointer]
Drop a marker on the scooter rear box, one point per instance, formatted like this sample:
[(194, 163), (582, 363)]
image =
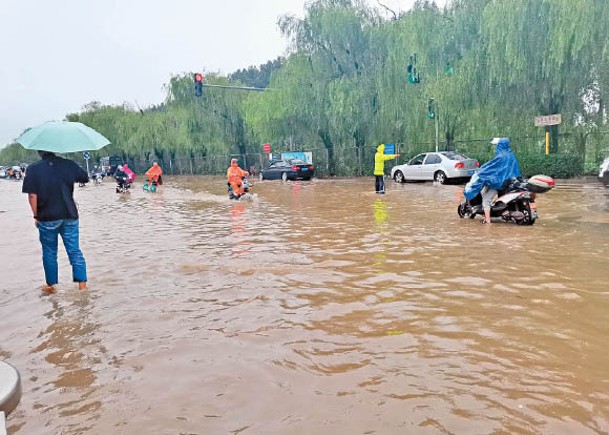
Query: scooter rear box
[(540, 183)]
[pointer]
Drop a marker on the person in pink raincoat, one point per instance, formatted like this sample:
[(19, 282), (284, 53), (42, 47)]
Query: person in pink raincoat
[(130, 174)]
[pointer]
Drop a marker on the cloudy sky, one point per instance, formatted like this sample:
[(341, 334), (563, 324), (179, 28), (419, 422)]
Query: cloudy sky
[(56, 56)]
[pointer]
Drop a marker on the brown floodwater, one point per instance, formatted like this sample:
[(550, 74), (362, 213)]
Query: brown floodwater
[(317, 308)]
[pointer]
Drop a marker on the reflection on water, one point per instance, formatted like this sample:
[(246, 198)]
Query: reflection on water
[(380, 216), (305, 311), (69, 343), (240, 234)]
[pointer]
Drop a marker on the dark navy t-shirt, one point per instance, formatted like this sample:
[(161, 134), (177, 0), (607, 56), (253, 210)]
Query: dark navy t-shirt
[(52, 180)]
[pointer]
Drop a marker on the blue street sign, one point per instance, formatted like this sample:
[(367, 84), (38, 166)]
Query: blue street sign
[(86, 155), (389, 148)]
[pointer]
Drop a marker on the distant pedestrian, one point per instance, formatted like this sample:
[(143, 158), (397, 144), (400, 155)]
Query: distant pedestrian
[(379, 167), (49, 184)]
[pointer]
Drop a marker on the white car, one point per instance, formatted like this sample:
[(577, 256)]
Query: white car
[(441, 167), (2, 172), (603, 173)]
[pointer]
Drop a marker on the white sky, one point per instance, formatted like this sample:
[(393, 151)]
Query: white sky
[(56, 56)]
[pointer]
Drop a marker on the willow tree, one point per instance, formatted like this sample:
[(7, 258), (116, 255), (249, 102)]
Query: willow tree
[(538, 56), (215, 120), (116, 122), (331, 42)]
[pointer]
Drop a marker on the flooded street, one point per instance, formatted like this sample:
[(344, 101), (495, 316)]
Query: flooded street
[(317, 308)]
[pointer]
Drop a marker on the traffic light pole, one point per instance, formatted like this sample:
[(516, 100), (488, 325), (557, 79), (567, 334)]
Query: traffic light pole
[(437, 134), (243, 88)]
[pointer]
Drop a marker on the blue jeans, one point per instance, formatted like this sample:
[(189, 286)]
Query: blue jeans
[(48, 232)]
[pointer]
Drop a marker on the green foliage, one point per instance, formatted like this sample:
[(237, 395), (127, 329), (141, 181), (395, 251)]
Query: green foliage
[(15, 154), (563, 165), (257, 77)]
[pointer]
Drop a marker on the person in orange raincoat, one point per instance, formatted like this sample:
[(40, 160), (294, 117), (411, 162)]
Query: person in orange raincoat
[(235, 175), (155, 174)]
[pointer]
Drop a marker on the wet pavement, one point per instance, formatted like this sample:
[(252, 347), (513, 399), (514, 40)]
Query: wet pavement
[(317, 308)]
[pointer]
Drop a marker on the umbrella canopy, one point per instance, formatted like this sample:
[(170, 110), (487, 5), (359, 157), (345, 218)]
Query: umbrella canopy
[(62, 137)]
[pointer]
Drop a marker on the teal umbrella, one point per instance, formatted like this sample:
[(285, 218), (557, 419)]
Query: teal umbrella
[(62, 137)]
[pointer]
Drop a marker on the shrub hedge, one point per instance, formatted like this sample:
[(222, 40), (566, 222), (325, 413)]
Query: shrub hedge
[(563, 165)]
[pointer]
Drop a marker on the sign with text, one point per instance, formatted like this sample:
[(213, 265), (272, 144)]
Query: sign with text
[(389, 148), (266, 147), (544, 120)]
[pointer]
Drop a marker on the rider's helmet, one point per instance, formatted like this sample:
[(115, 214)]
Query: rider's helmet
[(234, 162)]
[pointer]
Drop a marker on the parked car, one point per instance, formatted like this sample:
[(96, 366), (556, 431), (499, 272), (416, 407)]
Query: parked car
[(3, 172), (441, 167), (603, 173), (291, 169)]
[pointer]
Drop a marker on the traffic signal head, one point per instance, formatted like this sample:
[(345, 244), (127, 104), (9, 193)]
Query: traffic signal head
[(431, 112), (198, 84), (449, 69)]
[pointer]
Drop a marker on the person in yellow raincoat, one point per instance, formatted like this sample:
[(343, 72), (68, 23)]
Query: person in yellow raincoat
[(379, 167), (155, 174), (234, 176)]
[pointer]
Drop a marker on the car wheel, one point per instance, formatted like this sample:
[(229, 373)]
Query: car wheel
[(399, 177), (440, 177), (284, 176), (260, 177)]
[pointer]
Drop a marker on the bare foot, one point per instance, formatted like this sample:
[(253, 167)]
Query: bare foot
[(82, 285), (48, 289)]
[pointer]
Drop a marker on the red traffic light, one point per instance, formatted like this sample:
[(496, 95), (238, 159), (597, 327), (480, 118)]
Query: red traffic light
[(198, 77)]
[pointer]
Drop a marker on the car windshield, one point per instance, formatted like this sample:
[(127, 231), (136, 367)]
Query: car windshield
[(454, 156)]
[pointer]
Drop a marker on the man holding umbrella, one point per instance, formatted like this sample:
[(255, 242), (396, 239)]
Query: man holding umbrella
[(49, 184)]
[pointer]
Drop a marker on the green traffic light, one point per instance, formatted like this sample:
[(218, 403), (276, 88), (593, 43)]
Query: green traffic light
[(431, 111)]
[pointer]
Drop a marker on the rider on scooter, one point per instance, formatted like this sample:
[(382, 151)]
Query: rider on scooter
[(97, 173), (122, 179), (155, 174), (235, 176), (492, 175)]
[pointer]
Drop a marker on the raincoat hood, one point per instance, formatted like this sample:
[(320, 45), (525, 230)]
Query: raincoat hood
[(380, 148), (496, 171)]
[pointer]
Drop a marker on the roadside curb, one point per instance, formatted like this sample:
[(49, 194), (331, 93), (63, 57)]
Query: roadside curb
[(10, 387)]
